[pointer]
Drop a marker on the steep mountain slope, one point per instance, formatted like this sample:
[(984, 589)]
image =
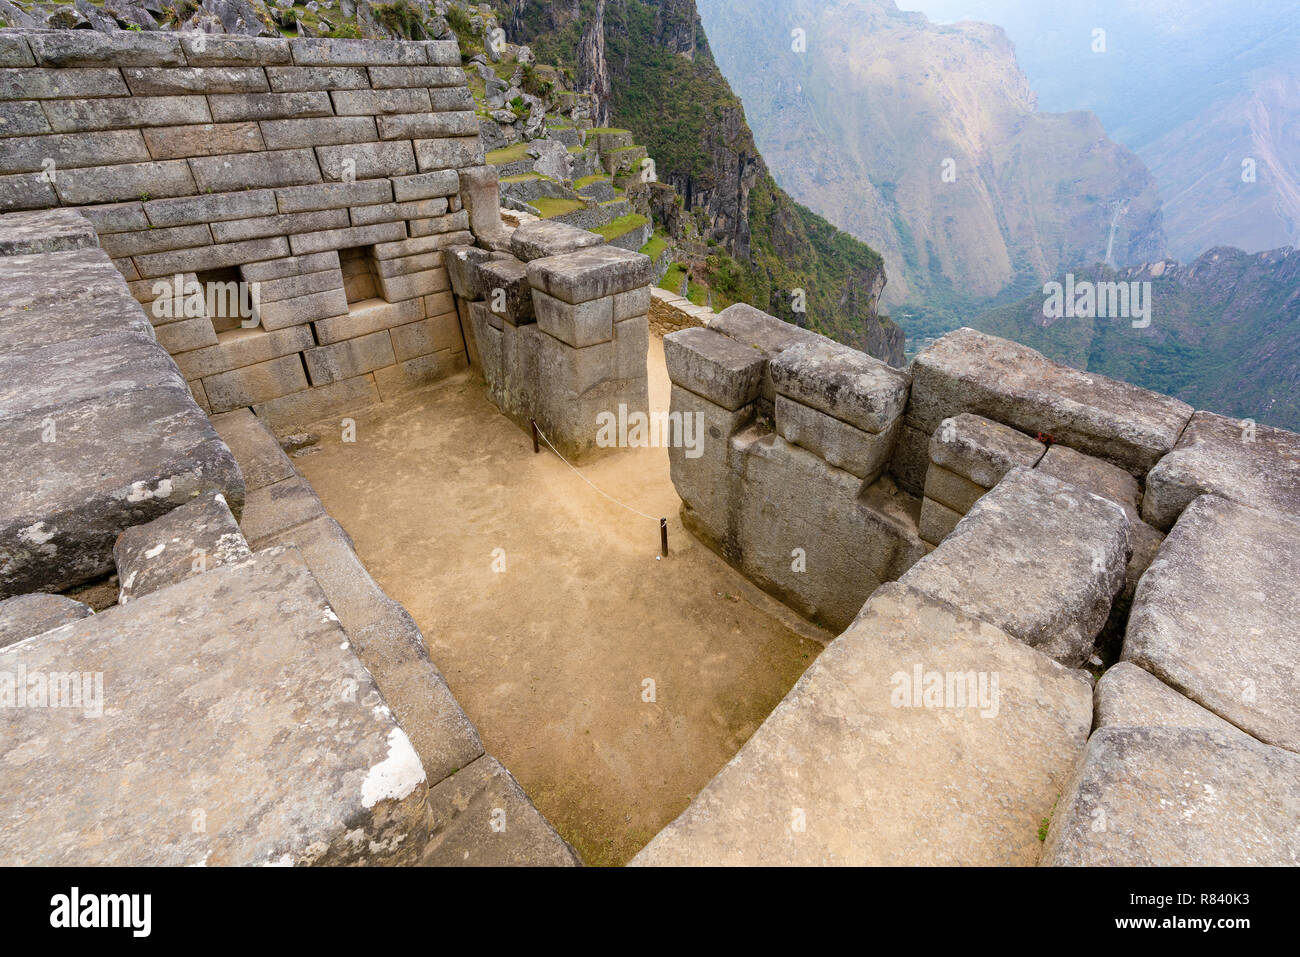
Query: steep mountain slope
[(1194, 87), (924, 141), (650, 66), (1224, 333)]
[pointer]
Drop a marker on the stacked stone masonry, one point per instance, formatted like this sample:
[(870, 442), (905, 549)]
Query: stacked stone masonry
[(285, 165), (1023, 505), (246, 632)]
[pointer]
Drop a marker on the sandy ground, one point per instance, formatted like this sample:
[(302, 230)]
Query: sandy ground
[(547, 609)]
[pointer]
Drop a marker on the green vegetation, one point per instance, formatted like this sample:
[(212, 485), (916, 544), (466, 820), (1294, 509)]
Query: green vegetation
[(507, 155), (656, 246), (586, 181), (550, 208), (401, 18), (622, 226)]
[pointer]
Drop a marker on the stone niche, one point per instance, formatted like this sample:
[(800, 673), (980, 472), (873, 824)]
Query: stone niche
[(280, 207)]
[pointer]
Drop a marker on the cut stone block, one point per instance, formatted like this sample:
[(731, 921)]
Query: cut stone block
[(951, 490), (1214, 617), (214, 721), (842, 445), (509, 293), (254, 384), (278, 508), (843, 383), (804, 535), (237, 348), (1256, 465), (367, 317), (480, 193), (980, 450), (590, 273), (1127, 696), (1040, 559), (46, 231), (42, 380), (1178, 797), (911, 459), (714, 367), (580, 326), (968, 371), (1093, 475), (937, 521), (546, 238), (350, 358), (483, 818), (864, 762), (115, 463), (23, 616), (292, 412), (189, 540), (259, 455)]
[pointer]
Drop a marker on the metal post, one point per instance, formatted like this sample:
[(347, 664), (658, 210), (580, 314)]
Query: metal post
[(663, 536), (536, 446)]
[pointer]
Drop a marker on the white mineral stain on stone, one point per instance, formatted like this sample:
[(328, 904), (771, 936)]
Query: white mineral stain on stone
[(36, 534), (396, 776), (156, 550)]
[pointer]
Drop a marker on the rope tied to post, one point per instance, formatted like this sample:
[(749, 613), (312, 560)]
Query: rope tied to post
[(663, 522)]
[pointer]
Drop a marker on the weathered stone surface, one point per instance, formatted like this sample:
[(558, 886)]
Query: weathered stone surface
[(877, 774), (350, 358), (1093, 475), (23, 616), (1040, 559), (42, 380), (201, 210), (911, 459), (374, 102), (302, 79), (256, 450), (589, 274), (46, 231), (364, 318), (1127, 696), (43, 84), (481, 196), (980, 450), (330, 52), (937, 521), (791, 499), (468, 813), (215, 717), (231, 173), (35, 311), (79, 48), (391, 647), (1178, 797), (292, 412), (232, 107), (75, 116), (1214, 617), (714, 367), (546, 238), (189, 540), (514, 302), (366, 160), (253, 384), (225, 50), (205, 139), (951, 490), (219, 256), (842, 382), (453, 152), (115, 463), (842, 445), (286, 313), (279, 508), (968, 371), (237, 348), (580, 326), (216, 81), (1256, 465)]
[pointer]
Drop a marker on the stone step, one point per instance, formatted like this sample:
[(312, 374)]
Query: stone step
[(196, 751), (483, 818), (189, 540), (255, 448), (867, 759)]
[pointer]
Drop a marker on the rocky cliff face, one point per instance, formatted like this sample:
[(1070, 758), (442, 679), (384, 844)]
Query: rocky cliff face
[(1222, 333), (924, 141), (665, 86)]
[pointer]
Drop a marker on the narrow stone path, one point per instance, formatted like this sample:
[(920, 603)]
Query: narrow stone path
[(548, 611)]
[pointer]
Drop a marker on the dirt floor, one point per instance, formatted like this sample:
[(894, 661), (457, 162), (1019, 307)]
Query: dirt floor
[(547, 608)]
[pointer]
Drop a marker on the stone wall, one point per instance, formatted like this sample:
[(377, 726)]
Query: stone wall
[(670, 312), (559, 327), (1037, 499), (322, 173)]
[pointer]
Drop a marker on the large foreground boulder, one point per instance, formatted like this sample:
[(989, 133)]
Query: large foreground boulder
[(920, 736)]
